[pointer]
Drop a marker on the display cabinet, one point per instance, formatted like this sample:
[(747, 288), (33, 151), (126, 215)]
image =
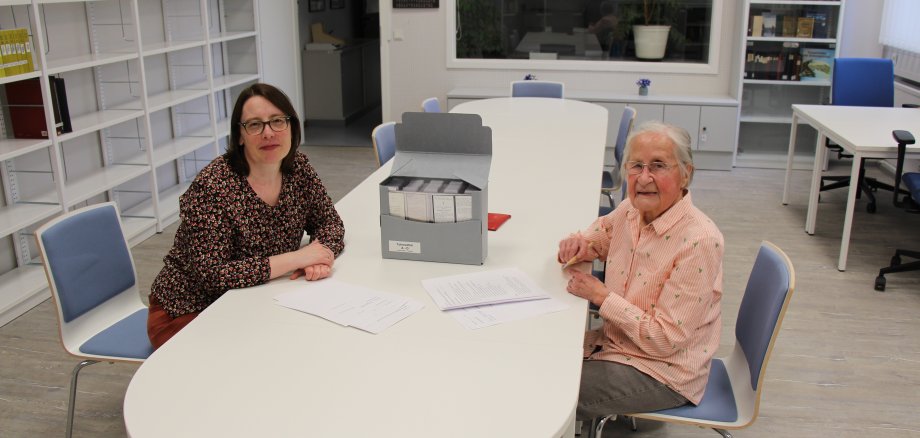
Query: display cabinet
[(149, 88), (787, 54)]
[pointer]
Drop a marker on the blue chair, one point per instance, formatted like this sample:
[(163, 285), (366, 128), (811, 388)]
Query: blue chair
[(535, 88), (860, 82), (93, 285), (384, 139), (609, 182), (732, 396), (911, 202), (431, 105)]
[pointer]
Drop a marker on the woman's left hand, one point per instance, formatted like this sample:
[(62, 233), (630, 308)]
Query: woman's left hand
[(586, 286), (312, 272)]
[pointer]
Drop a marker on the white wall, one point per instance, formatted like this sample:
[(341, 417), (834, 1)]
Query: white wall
[(861, 24), (280, 48), (416, 67)]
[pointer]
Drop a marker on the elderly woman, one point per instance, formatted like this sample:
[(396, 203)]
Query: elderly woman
[(660, 301), (244, 216)]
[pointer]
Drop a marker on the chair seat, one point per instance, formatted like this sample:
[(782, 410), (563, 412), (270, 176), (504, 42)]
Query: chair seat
[(718, 402), (126, 338), (912, 182)]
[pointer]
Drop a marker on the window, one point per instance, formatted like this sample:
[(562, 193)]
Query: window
[(588, 34)]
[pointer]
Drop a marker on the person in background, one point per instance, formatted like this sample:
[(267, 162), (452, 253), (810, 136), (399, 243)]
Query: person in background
[(660, 301), (244, 215), (601, 20)]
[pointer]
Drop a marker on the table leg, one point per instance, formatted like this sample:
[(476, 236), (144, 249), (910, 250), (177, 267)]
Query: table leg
[(820, 153), (851, 207), (789, 156)]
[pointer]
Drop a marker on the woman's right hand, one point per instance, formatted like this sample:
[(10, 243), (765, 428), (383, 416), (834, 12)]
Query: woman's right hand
[(573, 246)]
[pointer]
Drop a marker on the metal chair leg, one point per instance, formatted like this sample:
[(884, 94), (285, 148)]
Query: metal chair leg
[(73, 393), (632, 424), (723, 432), (599, 430)]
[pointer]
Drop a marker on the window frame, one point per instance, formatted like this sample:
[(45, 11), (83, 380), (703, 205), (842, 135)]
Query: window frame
[(709, 68)]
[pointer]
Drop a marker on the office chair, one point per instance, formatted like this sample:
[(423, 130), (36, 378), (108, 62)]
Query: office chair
[(431, 105), (93, 285), (384, 139), (911, 203), (535, 88), (732, 397), (609, 182), (860, 82)]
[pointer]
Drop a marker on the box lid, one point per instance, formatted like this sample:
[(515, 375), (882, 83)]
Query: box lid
[(443, 145)]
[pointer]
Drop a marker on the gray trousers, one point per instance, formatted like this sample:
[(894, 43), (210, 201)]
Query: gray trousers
[(613, 388)]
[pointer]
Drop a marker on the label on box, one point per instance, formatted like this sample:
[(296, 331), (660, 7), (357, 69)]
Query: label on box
[(405, 247)]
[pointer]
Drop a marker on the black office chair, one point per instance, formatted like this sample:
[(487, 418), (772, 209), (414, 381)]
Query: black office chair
[(860, 82), (911, 203)]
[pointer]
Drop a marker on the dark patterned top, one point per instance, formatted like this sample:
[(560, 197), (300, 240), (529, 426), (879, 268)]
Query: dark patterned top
[(227, 233)]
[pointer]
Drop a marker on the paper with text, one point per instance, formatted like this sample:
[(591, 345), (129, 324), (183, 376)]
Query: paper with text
[(476, 289), (483, 316), (350, 305)]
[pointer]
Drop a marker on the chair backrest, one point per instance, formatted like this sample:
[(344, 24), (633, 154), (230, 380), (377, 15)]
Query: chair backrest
[(626, 124), (431, 105), (763, 307), (863, 82), (384, 138), (86, 259), (537, 89)]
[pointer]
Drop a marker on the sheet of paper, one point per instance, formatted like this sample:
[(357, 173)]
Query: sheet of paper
[(484, 316), (350, 305), (489, 287)]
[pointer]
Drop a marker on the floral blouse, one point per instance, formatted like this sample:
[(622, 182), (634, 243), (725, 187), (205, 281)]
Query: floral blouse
[(228, 233)]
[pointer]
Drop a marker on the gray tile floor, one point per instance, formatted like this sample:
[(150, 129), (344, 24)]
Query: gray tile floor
[(847, 362)]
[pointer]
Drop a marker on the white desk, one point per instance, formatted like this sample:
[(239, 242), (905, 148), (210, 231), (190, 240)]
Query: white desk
[(864, 132), (247, 367)]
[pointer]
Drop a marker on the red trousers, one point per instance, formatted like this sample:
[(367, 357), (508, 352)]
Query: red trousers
[(161, 326)]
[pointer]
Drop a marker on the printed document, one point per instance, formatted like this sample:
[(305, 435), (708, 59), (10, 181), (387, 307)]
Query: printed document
[(483, 316), (350, 305), (480, 288)]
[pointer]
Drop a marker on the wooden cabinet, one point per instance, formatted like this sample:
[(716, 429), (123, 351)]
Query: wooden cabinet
[(775, 74), (150, 86)]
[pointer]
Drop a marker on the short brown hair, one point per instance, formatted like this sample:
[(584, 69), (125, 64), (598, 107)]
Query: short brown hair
[(235, 154)]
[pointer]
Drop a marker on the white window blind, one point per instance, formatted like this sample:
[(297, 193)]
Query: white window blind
[(899, 25)]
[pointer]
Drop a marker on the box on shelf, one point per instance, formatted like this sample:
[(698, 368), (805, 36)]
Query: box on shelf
[(434, 205)]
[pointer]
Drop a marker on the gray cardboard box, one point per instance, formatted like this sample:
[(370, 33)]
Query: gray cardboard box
[(443, 146)]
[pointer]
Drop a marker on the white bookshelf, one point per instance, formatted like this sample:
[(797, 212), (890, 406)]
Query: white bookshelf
[(766, 104), (149, 87)]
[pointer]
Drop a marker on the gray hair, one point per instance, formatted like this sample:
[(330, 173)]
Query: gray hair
[(680, 140)]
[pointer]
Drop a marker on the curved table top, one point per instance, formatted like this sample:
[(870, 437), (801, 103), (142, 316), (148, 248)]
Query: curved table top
[(248, 367)]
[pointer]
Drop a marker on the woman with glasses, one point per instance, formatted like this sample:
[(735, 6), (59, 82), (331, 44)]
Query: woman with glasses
[(660, 299), (244, 215)]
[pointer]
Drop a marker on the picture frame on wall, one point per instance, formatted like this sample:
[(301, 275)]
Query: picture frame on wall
[(336, 4), (316, 5)]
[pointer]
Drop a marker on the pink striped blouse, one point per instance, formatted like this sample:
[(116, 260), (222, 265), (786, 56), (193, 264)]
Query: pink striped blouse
[(663, 314)]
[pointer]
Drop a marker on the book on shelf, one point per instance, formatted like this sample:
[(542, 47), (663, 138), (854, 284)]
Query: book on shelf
[(805, 26), (789, 25), (27, 108), (819, 29), (756, 26), (817, 64), (15, 52), (769, 24), (791, 61)]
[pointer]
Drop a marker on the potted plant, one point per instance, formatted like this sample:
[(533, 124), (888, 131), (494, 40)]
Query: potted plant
[(651, 39)]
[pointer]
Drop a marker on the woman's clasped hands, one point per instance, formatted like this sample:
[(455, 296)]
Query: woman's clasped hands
[(581, 284), (316, 260)]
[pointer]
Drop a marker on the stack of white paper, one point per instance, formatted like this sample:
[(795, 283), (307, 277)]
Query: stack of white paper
[(487, 298), (349, 305)]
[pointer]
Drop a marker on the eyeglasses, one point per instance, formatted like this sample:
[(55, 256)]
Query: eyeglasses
[(255, 127), (655, 167)]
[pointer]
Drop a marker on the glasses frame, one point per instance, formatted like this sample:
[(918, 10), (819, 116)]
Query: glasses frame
[(654, 168), (287, 125)]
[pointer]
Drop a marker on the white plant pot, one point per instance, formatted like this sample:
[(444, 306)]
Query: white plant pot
[(651, 41)]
